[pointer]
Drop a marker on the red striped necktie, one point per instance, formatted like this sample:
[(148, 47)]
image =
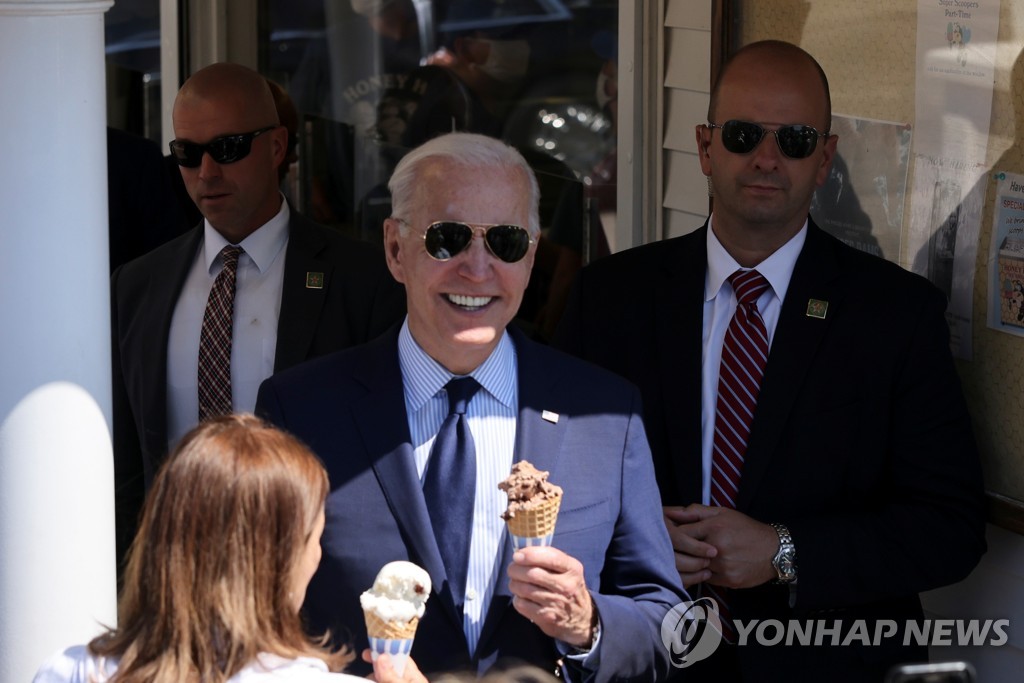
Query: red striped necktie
[(744, 354)]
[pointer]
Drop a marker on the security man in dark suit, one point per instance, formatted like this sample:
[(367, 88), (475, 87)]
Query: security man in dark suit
[(824, 469), (299, 290)]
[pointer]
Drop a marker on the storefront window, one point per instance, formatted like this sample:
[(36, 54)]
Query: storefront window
[(132, 32), (372, 79)]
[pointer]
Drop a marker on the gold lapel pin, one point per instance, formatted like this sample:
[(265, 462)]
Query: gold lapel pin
[(550, 416), (314, 280), (816, 308)]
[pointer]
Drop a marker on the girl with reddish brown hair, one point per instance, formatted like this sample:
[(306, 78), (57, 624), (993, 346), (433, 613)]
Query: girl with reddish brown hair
[(229, 539)]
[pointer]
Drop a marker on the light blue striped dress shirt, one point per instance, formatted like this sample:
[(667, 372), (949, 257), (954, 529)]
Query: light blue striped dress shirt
[(492, 420)]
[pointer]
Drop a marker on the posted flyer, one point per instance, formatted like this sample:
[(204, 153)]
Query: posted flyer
[(1006, 257), (956, 46)]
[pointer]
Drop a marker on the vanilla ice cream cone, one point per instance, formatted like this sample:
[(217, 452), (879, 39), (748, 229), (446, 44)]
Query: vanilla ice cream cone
[(392, 609), (391, 637), (389, 629)]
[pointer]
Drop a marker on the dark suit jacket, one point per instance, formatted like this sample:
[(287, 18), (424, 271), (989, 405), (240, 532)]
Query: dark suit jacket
[(143, 209), (861, 441), (358, 301), (350, 408)]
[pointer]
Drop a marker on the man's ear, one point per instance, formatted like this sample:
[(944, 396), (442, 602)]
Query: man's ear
[(703, 135), (829, 147), (393, 248), (279, 144)]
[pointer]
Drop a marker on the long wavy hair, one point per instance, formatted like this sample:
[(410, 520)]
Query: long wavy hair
[(209, 575)]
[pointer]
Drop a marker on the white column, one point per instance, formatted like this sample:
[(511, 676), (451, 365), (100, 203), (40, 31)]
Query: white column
[(57, 574)]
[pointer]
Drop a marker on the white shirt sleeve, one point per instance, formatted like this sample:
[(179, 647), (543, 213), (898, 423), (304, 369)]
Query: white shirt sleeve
[(269, 668), (76, 665), (73, 665)]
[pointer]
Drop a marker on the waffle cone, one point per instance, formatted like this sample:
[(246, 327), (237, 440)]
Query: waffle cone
[(536, 522), (391, 630)]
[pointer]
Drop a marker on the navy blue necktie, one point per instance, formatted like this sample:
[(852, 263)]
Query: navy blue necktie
[(449, 485)]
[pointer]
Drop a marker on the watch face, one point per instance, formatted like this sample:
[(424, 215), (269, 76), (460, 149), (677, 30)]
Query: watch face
[(785, 557), (784, 567)]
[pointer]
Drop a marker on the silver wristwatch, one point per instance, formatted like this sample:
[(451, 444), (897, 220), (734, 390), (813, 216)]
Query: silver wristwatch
[(785, 557)]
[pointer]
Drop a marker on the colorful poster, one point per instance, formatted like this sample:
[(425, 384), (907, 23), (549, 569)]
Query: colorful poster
[(1006, 257), (956, 54)]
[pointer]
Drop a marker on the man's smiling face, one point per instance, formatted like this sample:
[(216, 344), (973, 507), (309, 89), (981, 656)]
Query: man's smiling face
[(459, 308)]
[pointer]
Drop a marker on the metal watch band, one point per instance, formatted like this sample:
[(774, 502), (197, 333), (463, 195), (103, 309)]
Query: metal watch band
[(784, 561)]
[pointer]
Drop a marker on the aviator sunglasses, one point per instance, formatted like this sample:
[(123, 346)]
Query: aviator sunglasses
[(446, 239), (224, 150), (796, 141)]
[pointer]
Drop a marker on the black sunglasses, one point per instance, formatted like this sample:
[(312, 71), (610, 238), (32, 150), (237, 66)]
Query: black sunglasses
[(224, 150), (446, 239), (796, 141)]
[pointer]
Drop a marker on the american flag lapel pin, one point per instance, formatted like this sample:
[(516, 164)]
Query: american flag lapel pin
[(816, 308)]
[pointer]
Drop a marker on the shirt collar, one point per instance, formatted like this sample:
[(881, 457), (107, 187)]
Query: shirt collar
[(262, 246), (424, 376), (777, 268)]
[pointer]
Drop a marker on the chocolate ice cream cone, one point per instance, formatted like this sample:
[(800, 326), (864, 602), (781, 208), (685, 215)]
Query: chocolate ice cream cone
[(533, 504)]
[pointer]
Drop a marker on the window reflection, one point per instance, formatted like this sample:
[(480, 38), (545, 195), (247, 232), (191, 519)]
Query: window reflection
[(132, 35), (374, 78)]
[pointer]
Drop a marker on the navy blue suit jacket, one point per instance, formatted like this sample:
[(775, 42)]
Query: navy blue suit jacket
[(861, 442), (349, 407)]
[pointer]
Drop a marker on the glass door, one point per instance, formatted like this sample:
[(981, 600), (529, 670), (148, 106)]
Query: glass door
[(371, 79)]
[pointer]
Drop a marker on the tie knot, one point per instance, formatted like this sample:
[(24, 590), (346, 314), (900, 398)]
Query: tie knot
[(748, 285), (460, 392), (230, 255)]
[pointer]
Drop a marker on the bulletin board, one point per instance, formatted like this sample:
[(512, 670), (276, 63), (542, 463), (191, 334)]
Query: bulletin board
[(868, 50)]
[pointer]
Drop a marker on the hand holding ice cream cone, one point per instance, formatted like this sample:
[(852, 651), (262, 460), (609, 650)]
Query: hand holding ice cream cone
[(384, 670), (393, 607), (549, 588), (555, 598)]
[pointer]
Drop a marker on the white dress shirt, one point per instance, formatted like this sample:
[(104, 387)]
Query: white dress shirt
[(719, 307), (258, 284), (491, 415), (76, 665)]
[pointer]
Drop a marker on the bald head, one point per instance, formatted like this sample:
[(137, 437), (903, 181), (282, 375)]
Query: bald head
[(762, 191), (781, 57), (233, 87), (230, 108)]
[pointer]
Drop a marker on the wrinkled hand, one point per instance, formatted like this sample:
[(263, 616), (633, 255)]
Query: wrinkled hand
[(384, 671), (721, 546), (549, 589)]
